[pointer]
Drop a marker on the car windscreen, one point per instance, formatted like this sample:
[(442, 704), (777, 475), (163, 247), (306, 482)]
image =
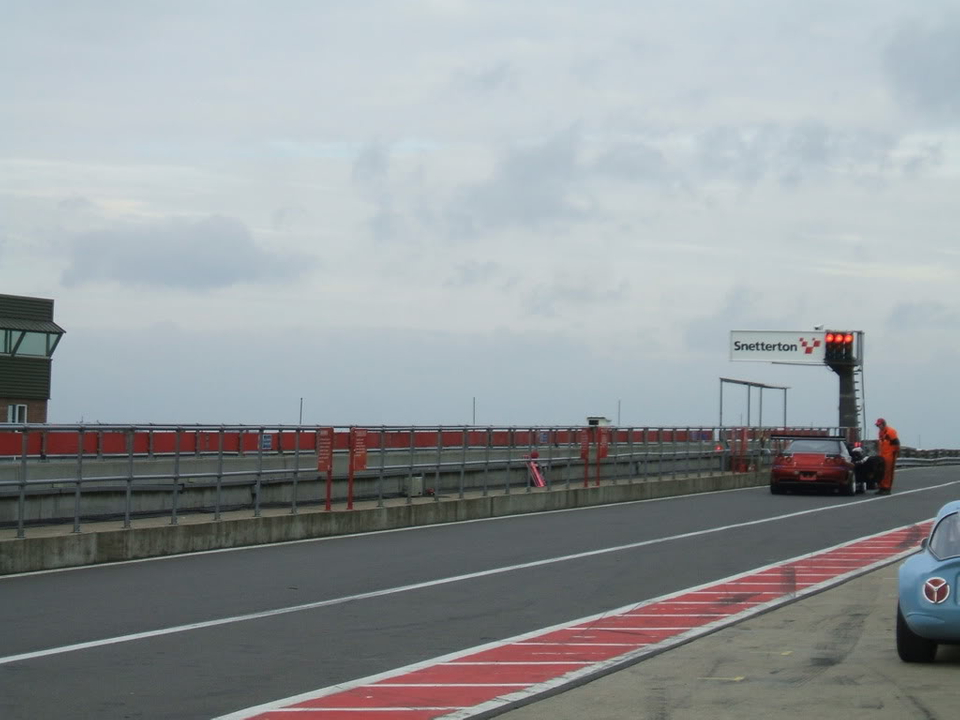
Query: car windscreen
[(945, 541), (823, 447)]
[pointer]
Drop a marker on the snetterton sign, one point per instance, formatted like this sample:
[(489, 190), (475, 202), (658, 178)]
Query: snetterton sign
[(804, 347)]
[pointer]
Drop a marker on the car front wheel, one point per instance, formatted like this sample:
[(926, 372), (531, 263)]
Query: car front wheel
[(910, 646)]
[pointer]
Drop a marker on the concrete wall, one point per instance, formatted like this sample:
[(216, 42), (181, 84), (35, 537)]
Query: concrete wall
[(72, 549)]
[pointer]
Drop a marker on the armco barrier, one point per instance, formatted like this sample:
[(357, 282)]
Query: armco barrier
[(87, 473), (129, 472), (155, 540)]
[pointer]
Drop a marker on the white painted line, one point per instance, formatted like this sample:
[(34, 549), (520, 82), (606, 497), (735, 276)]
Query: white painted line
[(672, 615), (445, 685), (361, 709), (578, 663), (584, 644)]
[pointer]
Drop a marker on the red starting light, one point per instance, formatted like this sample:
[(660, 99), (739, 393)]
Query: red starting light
[(839, 346)]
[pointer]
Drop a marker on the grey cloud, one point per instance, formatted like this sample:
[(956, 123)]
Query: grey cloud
[(742, 309), (792, 155), (371, 175), (637, 162), (371, 169), (547, 300), (76, 204), (923, 159), (733, 152), (474, 273), (202, 254), (532, 187), (922, 65), (387, 225), (910, 317), (287, 218), (498, 77)]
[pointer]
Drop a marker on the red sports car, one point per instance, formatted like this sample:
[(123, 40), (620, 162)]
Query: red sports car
[(822, 463)]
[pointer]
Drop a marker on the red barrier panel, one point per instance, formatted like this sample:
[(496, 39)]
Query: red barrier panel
[(113, 442), (288, 440), (9, 443)]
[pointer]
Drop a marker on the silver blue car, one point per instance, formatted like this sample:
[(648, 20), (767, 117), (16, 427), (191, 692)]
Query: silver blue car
[(928, 612)]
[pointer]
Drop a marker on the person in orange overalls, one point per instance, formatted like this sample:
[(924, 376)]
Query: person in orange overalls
[(889, 448)]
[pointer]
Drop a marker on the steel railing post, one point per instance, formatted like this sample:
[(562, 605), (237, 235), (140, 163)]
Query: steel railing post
[(22, 500), (660, 452), (296, 469), (76, 491), (463, 462), (486, 462), (646, 452), (216, 509), (552, 436), (530, 447), (258, 486), (616, 455), (436, 476), (175, 499), (700, 433), (383, 465), (129, 497), (510, 439), (413, 443)]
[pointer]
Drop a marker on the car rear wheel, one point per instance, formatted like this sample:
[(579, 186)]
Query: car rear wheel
[(910, 646), (850, 488), (775, 489)]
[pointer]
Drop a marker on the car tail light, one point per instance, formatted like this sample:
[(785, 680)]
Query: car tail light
[(783, 459), (835, 460)]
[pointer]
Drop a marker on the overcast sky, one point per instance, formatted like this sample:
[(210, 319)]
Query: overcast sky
[(390, 208)]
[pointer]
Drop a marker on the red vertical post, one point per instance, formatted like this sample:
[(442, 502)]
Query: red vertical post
[(603, 448), (350, 475), (585, 455), (325, 459), (358, 459)]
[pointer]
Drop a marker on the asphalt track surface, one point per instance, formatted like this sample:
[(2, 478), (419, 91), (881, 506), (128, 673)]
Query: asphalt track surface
[(206, 635)]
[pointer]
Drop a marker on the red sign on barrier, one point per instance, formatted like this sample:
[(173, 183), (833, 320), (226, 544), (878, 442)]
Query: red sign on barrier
[(585, 444), (358, 449), (603, 444), (325, 449)]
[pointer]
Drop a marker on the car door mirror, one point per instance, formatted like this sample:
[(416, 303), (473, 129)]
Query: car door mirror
[(924, 543)]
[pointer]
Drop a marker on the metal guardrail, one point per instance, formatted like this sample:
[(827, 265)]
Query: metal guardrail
[(927, 461), (140, 480)]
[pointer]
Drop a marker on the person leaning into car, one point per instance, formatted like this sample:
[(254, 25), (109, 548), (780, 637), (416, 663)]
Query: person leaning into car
[(889, 447)]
